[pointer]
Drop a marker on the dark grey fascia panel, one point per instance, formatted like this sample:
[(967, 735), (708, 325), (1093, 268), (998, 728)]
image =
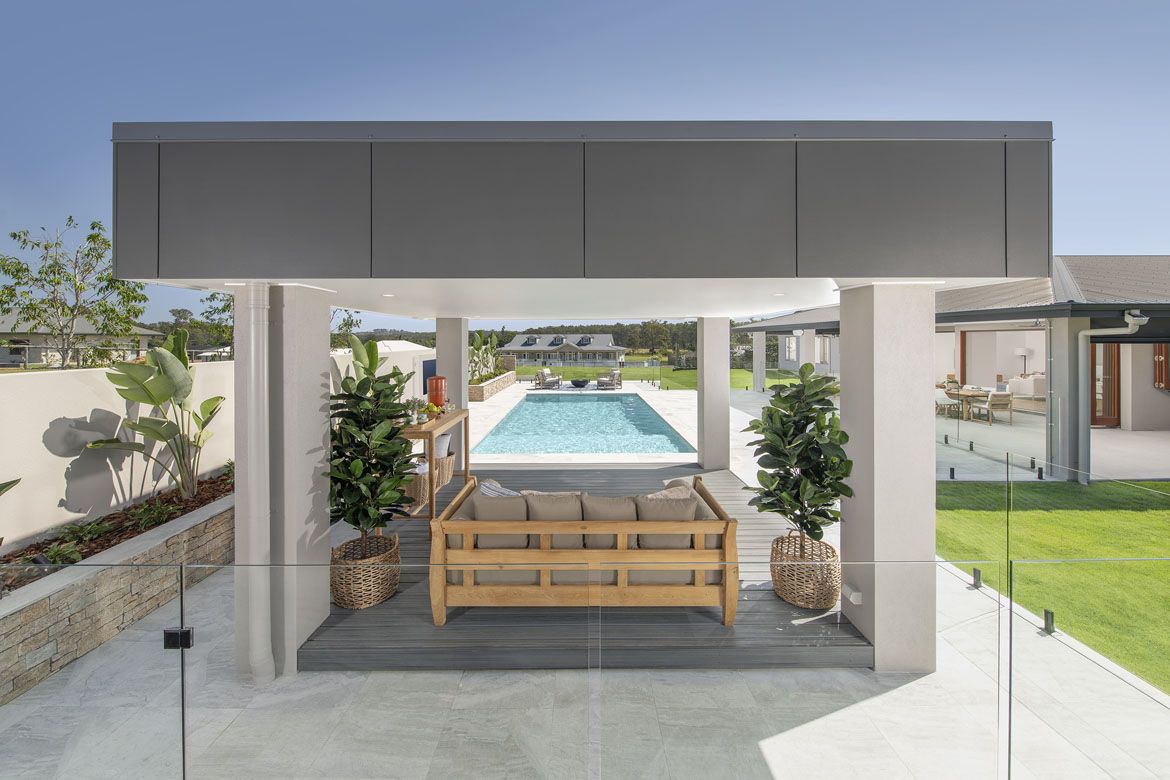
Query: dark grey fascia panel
[(698, 209), (477, 210), (264, 210), (900, 209), (1029, 209), (135, 226), (569, 131)]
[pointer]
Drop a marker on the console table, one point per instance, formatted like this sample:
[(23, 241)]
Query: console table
[(427, 432)]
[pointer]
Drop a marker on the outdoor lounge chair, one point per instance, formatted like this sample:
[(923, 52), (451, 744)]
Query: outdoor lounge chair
[(606, 382), (546, 380), (945, 405), (996, 402)]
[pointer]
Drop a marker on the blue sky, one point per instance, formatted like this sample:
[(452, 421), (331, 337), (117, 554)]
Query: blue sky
[(1099, 71)]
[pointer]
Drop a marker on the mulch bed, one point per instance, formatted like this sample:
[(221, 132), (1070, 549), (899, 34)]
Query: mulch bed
[(124, 527)]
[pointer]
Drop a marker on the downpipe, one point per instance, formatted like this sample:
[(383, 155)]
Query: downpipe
[(1134, 319)]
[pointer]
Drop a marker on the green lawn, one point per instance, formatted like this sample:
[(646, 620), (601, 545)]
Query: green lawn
[(1120, 609), (740, 378)]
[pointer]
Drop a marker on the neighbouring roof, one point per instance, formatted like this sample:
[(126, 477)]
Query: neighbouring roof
[(391, 345), (1135, 280), (545, 342), (8, 326)]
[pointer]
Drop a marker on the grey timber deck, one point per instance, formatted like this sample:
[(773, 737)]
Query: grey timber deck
[(399, 633)]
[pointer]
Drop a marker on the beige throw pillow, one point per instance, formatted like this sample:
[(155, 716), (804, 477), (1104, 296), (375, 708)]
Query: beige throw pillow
[(665, 509), (555, 508), (608, 509)]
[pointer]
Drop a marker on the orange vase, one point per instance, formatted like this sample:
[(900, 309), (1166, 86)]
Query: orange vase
[(437, 390)]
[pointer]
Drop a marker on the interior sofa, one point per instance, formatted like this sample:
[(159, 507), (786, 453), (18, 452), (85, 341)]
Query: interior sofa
[(495, 547), (1031, 386)]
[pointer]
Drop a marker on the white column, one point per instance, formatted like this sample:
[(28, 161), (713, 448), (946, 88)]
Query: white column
[(252, 508), (299, 440), (451, 362), (714, 379), (759, 361), (806, 348), (1064, 397), (887, 384)]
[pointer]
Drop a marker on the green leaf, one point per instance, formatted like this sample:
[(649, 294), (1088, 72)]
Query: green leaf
[(6, 486), (174, 370), (156, 428), (117, 444)]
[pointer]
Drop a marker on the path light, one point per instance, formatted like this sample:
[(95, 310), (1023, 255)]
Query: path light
[(1040, 473), (977, 578), (952, 472), (1049, 622)]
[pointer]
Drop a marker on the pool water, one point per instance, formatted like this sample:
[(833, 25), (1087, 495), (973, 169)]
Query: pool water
[(582, 423)]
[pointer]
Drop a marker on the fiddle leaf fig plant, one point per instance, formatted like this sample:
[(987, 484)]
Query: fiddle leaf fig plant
[(163, 384), (803, 466), (370, 462)]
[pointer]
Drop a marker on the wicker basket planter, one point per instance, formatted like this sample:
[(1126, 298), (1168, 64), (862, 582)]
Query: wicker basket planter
[(360, 578), (445, 470), (419, 492), (807, 575)]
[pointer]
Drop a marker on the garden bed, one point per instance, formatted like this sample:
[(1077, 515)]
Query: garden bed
[(124, 524), (485, 390)]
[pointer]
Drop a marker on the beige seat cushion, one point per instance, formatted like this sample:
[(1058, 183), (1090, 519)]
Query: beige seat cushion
[(702, 510), (488, 508), (608, 509), (555, 507), (665, 509)]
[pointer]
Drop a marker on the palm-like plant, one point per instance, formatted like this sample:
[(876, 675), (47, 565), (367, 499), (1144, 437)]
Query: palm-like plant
[(370, 463), (6, 486), (802, 462), (164, 384), (482, 357)]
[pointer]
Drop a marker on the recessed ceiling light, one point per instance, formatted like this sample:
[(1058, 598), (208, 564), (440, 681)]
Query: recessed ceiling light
[(387, 295), (234, 284), (778, 295)]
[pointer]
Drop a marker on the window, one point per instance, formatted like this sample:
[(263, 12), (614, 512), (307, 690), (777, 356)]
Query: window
[(824, 346), (789, 347)]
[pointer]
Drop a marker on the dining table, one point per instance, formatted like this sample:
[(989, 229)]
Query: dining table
[(967, 397)]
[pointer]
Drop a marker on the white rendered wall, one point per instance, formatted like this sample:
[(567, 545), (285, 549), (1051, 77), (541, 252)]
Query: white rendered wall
[(1143, 406), (714, 365), (946, 355), (1007, 342), (806, 348), (451, 362), (46, 419), (887, 387), (981, 358)]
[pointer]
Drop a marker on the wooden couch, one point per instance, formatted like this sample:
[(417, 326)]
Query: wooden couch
[(707, 574)]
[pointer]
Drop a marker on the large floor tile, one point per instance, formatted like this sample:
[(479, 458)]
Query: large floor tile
[(509, 689), (398, 743), (700, 689)]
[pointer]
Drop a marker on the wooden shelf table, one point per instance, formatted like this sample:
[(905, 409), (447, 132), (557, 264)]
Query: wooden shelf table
[(427, 432)]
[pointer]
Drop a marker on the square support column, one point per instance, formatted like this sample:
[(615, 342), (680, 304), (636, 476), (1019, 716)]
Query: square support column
[(887, 385), (1064, 398), (299, 436), (760, 361), (714, 364), (451, 362), (806, 348)]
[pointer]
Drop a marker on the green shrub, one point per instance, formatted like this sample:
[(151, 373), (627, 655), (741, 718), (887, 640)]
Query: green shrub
[(151, 513), (80, 533), (62, 553)]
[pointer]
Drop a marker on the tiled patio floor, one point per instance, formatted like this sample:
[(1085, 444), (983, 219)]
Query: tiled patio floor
[(115, 714)]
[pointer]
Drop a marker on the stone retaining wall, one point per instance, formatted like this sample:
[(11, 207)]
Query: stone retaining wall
[(491, 387), (59, 618)]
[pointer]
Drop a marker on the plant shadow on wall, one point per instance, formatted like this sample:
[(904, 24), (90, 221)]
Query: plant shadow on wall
[(174, 430), (802, 475)]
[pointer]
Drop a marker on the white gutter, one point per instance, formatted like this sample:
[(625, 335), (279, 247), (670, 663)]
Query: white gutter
[(1134, 319)]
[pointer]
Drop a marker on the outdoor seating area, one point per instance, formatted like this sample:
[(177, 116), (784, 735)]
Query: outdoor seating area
[(545, 379), (972, 402), (481, 534), (610, 381)]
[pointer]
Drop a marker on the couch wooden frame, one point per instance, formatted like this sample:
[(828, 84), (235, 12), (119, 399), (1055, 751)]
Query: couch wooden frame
[(545, 560)]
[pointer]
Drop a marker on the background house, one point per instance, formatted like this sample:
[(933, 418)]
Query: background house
[(21, 345), (540, 348)]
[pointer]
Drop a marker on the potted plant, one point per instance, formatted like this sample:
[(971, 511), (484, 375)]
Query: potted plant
[(370, 468), (802, 475)]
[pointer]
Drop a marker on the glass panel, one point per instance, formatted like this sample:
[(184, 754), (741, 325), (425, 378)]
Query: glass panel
[(1090, 641), (789, 691), (86, 687), (384, 692)]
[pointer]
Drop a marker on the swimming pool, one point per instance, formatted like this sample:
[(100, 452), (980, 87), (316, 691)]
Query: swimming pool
[(582, 423)]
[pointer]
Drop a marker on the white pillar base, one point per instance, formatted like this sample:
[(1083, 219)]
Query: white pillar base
[(887, 386), (451, 362), (759, 361), (714, 371)]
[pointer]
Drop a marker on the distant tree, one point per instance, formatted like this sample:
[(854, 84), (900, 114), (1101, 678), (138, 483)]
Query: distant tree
[(342, 323), (655, 336), (219, 308), (182, 317), (65, 285)]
